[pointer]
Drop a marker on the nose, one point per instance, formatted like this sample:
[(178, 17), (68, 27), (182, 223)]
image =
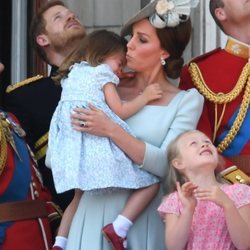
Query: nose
[(71, 15), (130, 44), (204, 144)]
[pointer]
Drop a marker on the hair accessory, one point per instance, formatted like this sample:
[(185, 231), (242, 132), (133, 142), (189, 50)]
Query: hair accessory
[(163, 62), (162, 13), (170, 13)]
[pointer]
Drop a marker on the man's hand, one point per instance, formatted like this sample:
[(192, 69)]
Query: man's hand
[(1, 67)]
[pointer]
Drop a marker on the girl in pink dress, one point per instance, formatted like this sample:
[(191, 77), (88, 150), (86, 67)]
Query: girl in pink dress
[(201, 212)]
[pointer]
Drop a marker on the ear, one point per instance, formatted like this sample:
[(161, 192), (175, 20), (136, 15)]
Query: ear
[(42, 40), (177, 163), (220, 14), (164, 55)]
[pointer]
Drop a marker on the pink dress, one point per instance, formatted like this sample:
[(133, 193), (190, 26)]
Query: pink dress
[(209, 229)]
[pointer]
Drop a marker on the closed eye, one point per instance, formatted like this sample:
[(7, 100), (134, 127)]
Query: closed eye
[(193, 143)]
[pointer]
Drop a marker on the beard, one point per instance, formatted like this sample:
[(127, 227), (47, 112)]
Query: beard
[(62, 41)]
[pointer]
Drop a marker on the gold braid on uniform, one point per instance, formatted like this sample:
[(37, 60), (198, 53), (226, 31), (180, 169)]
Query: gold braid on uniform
[(3, 152), (221, 98)]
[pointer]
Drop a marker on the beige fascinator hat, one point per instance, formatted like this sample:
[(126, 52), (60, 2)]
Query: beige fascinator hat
[(162, 13)]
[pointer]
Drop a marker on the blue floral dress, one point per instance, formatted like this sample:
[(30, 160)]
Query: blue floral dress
[(84, 161)]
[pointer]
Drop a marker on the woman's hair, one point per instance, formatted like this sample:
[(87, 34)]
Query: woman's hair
[(213, 5), (174, 40), (94, 48), (38, 26)]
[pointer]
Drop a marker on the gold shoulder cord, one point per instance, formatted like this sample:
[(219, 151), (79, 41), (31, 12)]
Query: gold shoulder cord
[(3, 141), (12, 87), (221, 98)]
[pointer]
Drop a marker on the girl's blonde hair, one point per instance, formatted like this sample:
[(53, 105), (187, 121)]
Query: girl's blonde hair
[(174, 175), (94, 48)]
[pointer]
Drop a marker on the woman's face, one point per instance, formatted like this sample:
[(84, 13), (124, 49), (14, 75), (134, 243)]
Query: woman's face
[(144, 49)]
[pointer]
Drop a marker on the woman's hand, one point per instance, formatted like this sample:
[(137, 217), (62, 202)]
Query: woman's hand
[(92, 121)]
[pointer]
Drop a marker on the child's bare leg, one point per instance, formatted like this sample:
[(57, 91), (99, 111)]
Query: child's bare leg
[(63, 231), (136, 203)]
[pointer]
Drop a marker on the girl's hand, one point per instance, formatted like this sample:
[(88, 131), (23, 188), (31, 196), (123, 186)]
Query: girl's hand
[(186, 194), (214, 194), (152, 92), (92, 121)]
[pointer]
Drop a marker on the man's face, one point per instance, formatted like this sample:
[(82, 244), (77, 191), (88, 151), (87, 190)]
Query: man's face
[(237, 11), (62, 27)]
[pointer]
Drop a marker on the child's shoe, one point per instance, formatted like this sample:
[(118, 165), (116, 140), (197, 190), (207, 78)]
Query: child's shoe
[(56, 248), (114, 240)]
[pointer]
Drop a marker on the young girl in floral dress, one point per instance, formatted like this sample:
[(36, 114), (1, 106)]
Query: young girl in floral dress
[(203, 213)]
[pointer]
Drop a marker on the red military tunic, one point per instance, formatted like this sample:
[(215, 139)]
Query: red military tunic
[(222, 76), (19, 183)]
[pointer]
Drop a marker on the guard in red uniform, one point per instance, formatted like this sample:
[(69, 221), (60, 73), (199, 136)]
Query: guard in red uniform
[(26, 210), (222, 76)]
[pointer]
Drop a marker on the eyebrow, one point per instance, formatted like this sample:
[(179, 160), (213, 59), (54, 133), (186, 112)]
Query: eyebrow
[(141, 33)]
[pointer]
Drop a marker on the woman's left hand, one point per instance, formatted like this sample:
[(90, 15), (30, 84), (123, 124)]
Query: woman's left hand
[(92, 120)]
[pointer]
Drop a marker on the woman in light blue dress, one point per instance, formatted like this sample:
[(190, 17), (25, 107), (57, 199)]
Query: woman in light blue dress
[(86, 162), (153, 54)]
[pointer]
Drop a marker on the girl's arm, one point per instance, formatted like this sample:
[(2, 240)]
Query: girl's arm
[(128, 108), (238, 224), (178, 227)]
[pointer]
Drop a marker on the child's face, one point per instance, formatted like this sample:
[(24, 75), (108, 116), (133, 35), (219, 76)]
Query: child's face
[(117, 61), (197, 150)]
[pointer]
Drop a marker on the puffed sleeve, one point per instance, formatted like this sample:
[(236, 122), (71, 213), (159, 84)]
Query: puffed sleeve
[(170, 205), (185, 118), (104, 75)]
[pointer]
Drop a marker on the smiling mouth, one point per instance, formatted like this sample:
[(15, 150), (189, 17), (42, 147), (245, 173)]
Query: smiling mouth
[(73, 24), (207, 151)]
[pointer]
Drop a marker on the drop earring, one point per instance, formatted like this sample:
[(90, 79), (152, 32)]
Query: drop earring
[(163, 62)]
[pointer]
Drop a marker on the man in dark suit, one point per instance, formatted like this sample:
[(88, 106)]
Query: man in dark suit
[(54, 32)]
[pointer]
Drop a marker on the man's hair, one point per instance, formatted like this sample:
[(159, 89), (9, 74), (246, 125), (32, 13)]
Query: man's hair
[(38, 25), (213, 5)]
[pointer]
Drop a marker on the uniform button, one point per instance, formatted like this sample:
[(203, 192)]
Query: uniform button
[(33, 184), (36, 193), (238, 177), (242, 181)]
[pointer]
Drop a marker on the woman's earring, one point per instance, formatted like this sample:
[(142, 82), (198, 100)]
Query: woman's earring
[(163, 62)]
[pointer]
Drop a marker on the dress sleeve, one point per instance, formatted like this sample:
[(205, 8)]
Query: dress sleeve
[(186, 118), (105, 75), (241, 194), (170, 205)]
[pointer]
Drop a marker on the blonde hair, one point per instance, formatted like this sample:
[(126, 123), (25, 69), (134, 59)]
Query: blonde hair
[(174, 175), (94, 48)]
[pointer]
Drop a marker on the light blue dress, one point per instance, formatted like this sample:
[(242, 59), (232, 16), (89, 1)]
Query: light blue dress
[(157, 126), (84, 161)]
